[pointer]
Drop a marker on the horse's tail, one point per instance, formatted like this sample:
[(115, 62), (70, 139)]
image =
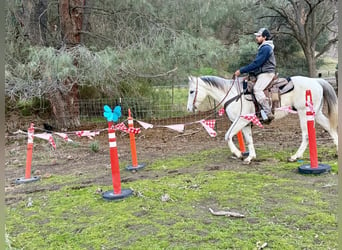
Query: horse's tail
[(330, 97)]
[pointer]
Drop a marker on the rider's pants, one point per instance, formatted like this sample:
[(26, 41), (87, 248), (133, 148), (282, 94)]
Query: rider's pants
[(263, 80)]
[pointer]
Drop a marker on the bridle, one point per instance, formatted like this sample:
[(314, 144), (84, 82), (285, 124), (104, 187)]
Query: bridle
[(196, 91), (226, 103)]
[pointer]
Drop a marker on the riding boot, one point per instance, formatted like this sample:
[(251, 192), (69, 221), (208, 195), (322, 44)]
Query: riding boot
[(265, 107)]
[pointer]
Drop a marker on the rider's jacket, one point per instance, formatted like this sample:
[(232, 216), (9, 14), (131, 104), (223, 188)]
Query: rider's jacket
[(264, 61)]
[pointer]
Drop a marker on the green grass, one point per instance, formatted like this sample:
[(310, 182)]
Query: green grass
[(283, 208)]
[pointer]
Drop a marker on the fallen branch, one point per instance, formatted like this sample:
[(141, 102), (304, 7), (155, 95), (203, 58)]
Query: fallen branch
[(226, 213)]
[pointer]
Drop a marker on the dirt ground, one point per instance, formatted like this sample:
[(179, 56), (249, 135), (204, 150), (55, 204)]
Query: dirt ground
[(93, 168)]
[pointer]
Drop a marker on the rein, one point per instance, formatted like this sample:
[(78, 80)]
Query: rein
[(226, 103)]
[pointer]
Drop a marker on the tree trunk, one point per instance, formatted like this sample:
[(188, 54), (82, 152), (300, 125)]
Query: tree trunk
[(311, 61), (65, 107), (34, 20), (65, 104), (71, 20)]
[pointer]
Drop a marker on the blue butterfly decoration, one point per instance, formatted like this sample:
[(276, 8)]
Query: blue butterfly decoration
[(112, 115)]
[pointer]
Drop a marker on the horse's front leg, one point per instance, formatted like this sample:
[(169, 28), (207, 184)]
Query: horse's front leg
[(233, 130), (247, 132), (304, 143), (232, 147)]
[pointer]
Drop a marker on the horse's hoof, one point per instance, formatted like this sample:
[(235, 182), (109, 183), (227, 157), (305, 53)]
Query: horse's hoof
[(246, 162), (291, 160), (234, 157)]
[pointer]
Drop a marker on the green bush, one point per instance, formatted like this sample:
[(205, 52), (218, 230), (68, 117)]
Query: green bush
[(94, 146)]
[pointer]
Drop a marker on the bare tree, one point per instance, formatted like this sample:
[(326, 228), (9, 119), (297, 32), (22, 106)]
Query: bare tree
[(307, 21)]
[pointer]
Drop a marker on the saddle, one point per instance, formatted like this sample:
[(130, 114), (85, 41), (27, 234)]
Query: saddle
[(273, 92)]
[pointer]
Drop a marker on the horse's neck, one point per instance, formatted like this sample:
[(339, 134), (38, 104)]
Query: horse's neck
[(221, 95)]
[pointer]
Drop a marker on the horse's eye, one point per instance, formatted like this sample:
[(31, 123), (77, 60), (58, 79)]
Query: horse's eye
[(191, 92)]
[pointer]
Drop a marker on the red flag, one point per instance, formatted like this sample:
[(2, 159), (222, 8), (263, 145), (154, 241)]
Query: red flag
[(209, 125), (253, 118), (221, 112)]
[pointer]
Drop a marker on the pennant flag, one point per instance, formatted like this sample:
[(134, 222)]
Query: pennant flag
[(177, 127), (210, 123), (48, 137), (122, 127), (145, 125), (221, 112), (87, 133), (253, 118), (52, 142), (64, 136), (209, 127), (287, 109)]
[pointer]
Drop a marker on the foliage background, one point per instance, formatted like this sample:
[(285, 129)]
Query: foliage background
[(127, 47)]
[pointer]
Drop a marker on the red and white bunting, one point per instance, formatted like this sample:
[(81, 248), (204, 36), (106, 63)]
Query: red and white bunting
[(87, 133), (253, 118), (64, 136), (122, 127), (209, 125), (221, 112), (48, 137), (177, 127), (287, 109)]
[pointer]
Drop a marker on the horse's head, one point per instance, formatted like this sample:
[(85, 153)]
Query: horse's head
[(196, 94)]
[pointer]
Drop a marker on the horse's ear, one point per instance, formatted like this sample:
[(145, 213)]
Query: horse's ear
[(190, 78)]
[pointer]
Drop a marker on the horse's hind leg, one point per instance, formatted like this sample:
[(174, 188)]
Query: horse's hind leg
[(324, 122), (304, 143)]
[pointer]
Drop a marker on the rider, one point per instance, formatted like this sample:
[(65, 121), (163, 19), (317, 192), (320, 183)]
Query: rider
[(263, 67)]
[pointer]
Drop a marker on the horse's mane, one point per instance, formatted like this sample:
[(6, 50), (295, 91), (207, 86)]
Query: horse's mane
[(216, 81)]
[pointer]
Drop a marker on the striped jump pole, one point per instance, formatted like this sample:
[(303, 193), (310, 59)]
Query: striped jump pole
[(314, 167), (117, 193), (28, 178), (135, 166), (242, 144)]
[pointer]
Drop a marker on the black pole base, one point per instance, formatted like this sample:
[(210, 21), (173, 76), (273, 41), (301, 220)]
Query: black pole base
[(131, 168), (307, 169), (110, 196), (22, 180)]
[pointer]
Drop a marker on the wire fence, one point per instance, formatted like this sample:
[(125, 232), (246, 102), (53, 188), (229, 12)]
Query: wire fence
[(161, 112), (146, 110)]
